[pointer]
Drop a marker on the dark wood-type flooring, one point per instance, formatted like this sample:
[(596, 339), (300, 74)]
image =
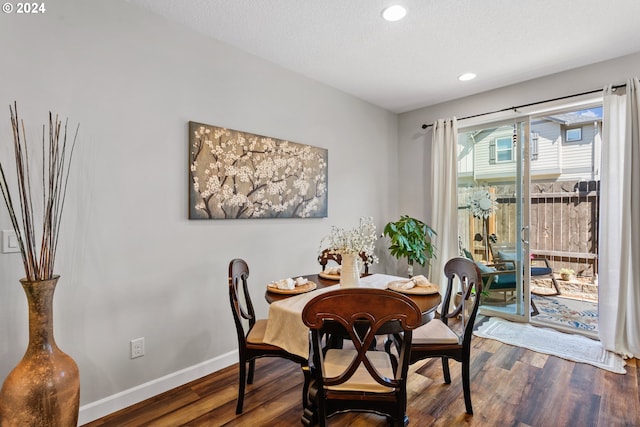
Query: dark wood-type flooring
[(510, 386)]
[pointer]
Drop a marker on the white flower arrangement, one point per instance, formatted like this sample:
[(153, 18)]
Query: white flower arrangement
[(483, 204), (358, 240)]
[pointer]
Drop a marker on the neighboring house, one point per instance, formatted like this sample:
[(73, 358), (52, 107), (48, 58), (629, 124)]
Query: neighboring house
[(564, 147)]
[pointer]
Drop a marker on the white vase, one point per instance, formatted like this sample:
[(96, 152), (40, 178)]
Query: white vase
[(350, 271)]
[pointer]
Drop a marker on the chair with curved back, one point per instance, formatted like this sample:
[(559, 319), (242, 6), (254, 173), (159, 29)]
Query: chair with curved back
[(359, 378), (250, 340), (326, 255), (437, 339)]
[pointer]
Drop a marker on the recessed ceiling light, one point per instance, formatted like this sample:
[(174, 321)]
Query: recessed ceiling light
[(466, 76), (394, 13)]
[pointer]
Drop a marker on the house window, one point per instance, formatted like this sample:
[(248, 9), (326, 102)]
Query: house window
[(574, 134), (504, 149)]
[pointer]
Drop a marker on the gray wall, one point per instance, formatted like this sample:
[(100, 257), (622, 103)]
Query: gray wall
[(132, 264)]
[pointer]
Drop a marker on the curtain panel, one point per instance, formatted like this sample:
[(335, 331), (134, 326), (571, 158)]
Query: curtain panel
[(619, 251), (443, 195)]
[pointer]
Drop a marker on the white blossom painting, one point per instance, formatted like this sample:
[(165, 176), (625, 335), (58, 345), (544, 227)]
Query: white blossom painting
[(236, 174)]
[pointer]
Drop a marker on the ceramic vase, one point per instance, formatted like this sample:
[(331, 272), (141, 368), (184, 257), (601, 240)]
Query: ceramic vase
[(43, 390), (350, 271), (410, 270)]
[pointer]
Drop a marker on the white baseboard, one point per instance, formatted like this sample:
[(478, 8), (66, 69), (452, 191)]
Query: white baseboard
[(98, 409)]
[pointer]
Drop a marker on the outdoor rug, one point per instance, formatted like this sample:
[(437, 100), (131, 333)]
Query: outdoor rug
[(572, 347), (567, 313)]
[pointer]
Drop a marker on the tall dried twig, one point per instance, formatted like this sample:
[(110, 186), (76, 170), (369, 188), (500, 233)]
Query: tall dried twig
[(39, 265)]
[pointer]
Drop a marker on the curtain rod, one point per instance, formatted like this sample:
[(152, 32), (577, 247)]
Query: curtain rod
[(514, 108)]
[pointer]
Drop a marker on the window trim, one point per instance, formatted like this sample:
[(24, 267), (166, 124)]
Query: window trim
[(566, 134), (535, 136), (498, 150)]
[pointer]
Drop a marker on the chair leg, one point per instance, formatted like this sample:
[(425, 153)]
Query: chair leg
[(306, 372), (241, 384), (399, 422), (310, 413), (252, 367), (555, 284), (321, 411), (534, 309), (445, 370), (466, 386)]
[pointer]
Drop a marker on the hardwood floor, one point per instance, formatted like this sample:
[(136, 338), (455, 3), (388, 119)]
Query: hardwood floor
[(510, 386)]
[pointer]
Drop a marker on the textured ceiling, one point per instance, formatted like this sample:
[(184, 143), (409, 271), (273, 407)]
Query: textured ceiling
[(413, 63)]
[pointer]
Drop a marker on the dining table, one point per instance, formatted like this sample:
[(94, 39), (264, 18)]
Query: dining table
[(285, 328)]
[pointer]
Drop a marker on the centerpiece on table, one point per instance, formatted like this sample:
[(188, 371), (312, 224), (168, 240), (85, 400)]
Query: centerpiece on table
[(44, 388), (351, 245)]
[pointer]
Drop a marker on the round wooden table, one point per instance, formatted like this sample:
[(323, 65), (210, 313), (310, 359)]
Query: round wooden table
[(427, 303)]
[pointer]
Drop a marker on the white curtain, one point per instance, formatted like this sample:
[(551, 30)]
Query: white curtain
[(442, 196), (619, 237)]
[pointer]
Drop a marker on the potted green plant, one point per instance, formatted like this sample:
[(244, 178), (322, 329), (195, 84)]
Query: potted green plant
[(566, 273), (411, 239)]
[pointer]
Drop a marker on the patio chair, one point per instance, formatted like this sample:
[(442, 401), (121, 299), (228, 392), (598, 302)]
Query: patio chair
[(506, 257), (499, 277)]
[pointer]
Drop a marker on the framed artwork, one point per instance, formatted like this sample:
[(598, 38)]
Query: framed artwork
[(234, 174)]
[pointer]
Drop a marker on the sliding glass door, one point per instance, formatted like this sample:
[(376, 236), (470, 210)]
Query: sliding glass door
[(528, 197), (493, 213)]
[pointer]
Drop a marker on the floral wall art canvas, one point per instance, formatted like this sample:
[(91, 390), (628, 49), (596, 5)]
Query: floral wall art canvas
[(234, 174)]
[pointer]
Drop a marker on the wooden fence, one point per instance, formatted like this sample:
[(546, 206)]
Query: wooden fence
[(564, 223)]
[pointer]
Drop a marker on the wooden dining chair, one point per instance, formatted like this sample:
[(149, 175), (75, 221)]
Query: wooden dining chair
[(327, 255), (250, 331), (437, 339), (358, 377)]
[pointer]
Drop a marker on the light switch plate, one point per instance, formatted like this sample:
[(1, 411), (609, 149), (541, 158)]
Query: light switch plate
[(9, 242)]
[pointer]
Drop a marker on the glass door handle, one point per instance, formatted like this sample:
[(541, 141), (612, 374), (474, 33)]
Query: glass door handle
[(525, 240)]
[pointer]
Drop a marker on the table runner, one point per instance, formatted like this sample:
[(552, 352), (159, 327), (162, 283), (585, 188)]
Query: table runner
[(285, 328)]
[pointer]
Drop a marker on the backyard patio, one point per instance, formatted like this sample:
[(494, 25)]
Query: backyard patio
[(582, 288)]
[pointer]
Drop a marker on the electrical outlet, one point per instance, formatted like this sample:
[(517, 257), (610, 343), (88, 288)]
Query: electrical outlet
[(137, 347), (9, 242)]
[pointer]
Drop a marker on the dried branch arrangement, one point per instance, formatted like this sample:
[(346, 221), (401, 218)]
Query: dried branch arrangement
[(56, 158)]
